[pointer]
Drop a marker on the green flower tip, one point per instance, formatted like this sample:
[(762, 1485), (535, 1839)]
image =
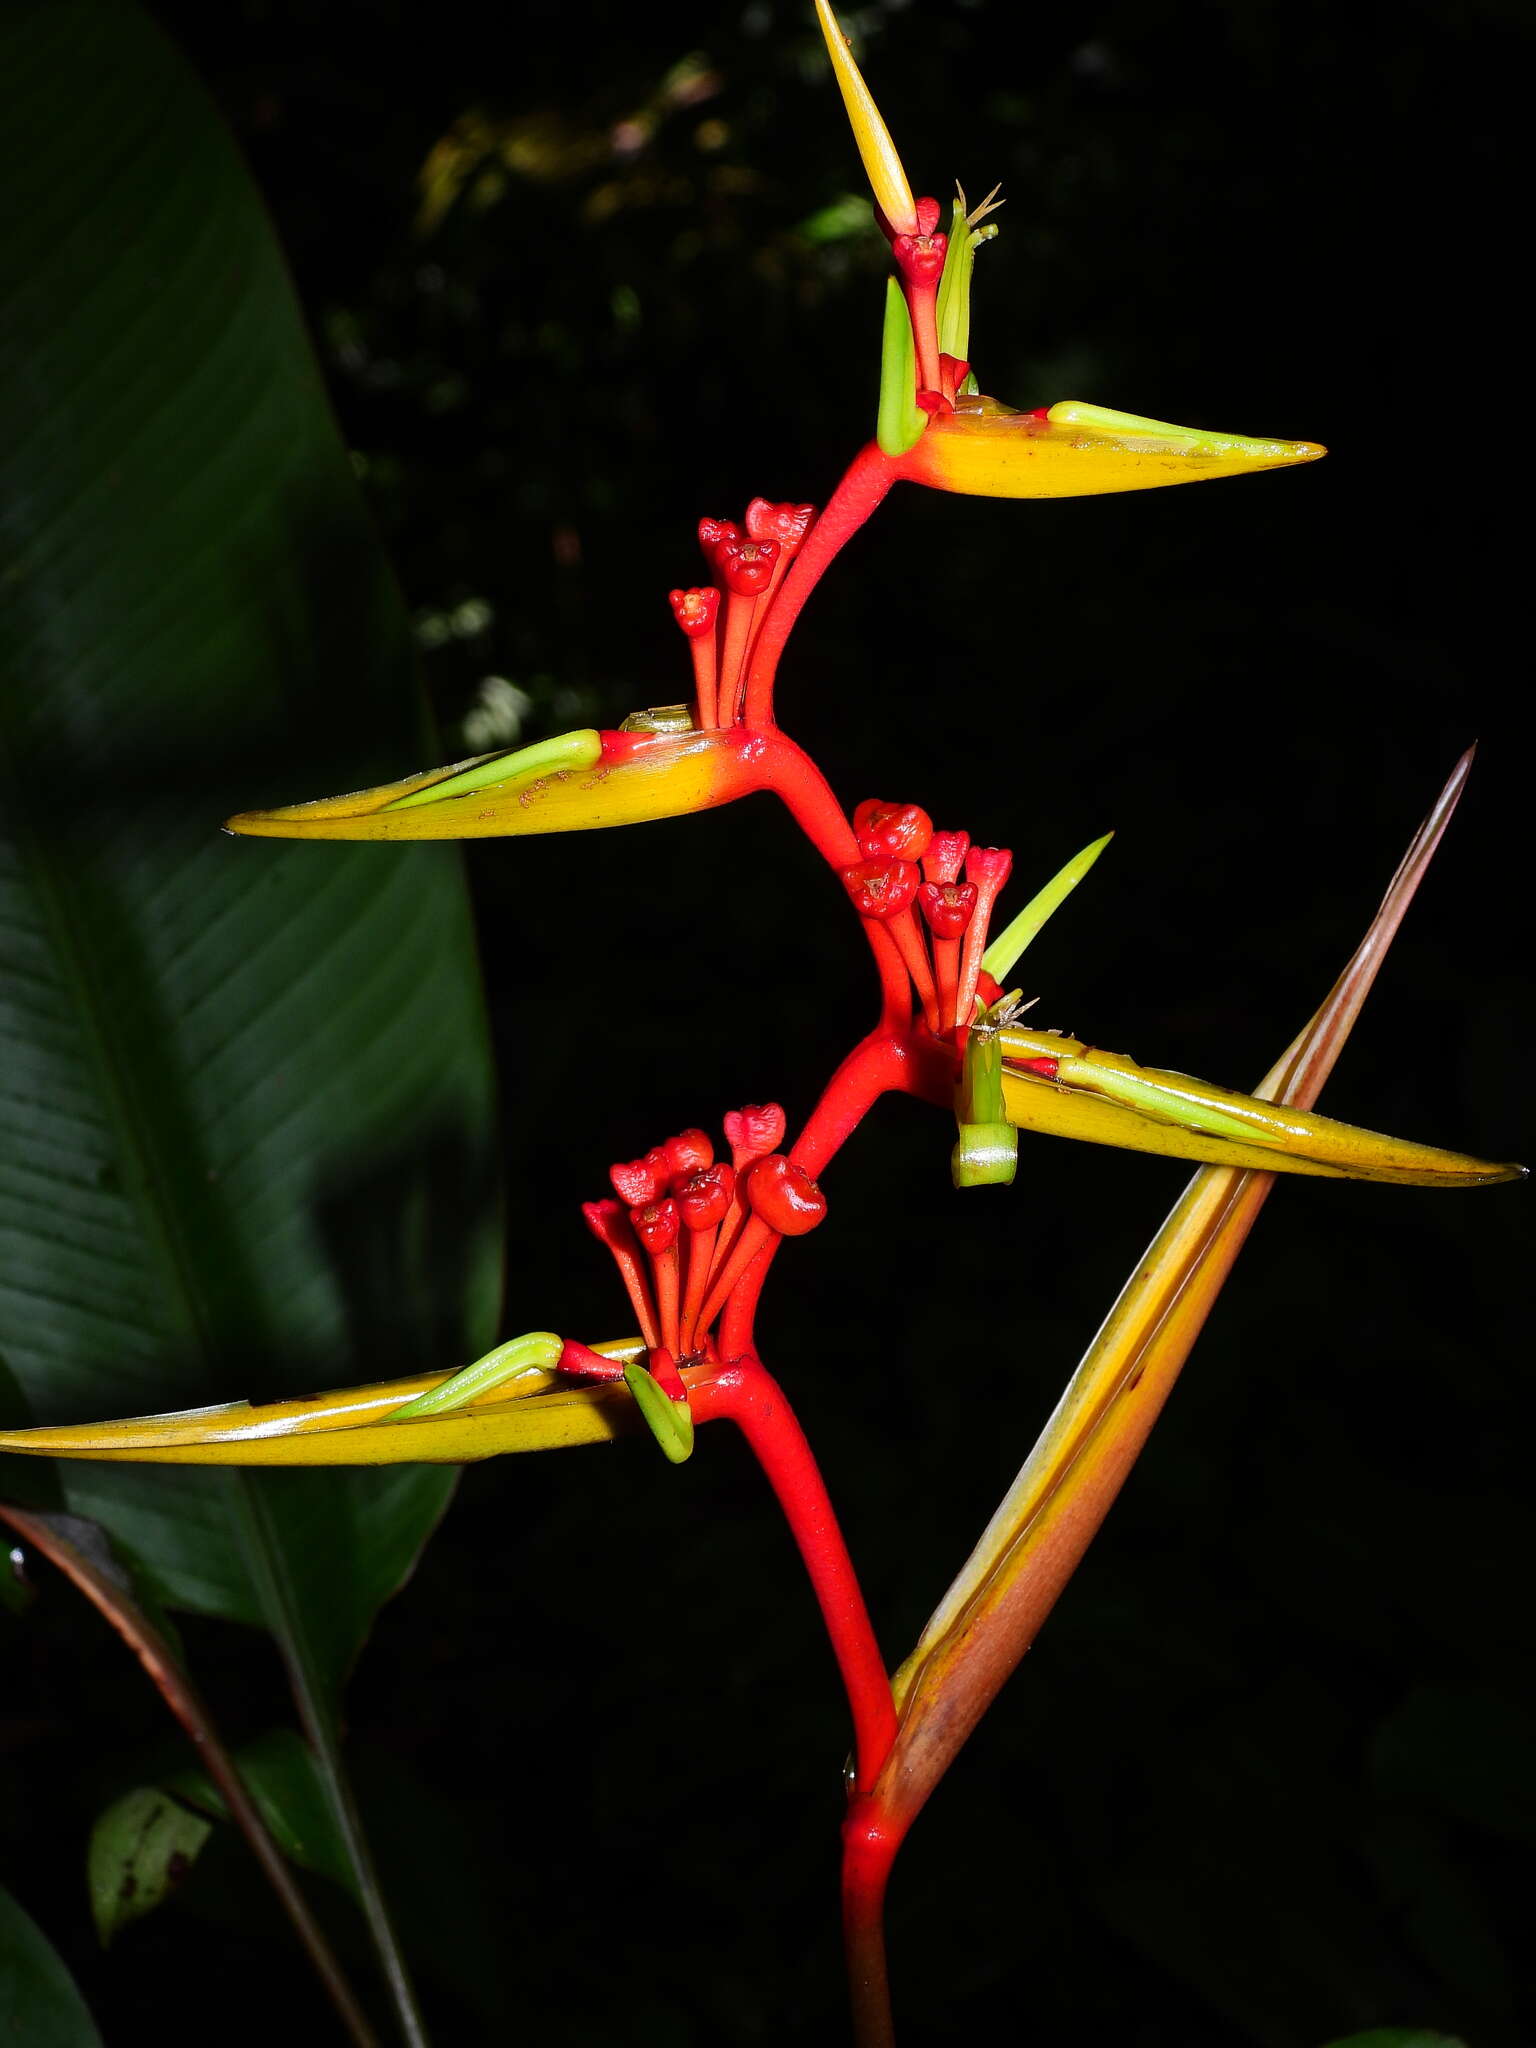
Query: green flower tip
[(669, 1421)]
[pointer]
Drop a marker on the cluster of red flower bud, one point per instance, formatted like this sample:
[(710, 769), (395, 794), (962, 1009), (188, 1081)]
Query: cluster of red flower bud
[(907, 863), (686, 1226), (750, 561)]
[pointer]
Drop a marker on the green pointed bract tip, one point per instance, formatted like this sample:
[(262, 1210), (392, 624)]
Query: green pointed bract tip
[(536, 1352), (954, 301), (1000, 956), (669, 1421), (1135, 432), (567, 751), (901, 419)]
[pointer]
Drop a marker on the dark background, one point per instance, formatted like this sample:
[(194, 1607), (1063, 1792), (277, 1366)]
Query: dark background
[(1268, 1777)]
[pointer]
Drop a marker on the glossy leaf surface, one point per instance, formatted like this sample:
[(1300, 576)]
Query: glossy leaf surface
[(245, 1097), (39, 2004), (245, 1091), (279, 1771)]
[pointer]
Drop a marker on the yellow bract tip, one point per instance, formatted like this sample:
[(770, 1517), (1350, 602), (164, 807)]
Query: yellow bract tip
[(882, 166)]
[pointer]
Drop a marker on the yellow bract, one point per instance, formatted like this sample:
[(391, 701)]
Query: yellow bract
[(1107, 1099), (536, 1412), (657, 776), (877, 152), (985, 449)]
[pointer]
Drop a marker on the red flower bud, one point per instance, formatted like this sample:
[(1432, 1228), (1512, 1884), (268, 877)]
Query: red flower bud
[(880, 888), (929, 213), (946, 856), (1043, 1065), (920, 258), (988, 989), (694, 610), (637, 1180), (892, 831), (656, 1225), (752, 1131), (784, 1195), (786, 524), (712, 532), (703, 1198), (746, 566), (588, 1365), (948, 907), (608, 1222), (954, 371), (989, 867), (686, 1153)]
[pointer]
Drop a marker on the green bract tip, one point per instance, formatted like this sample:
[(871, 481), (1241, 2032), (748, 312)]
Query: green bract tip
[(669, 1421), (901, 419), (1005, 949), (567, 750), (954, 302), (537, 1351)]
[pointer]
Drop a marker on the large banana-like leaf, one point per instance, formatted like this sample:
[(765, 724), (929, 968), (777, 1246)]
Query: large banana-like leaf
[(38, 2000), (245, 1091)]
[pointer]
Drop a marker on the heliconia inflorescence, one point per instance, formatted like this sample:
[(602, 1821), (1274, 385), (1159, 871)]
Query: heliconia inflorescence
[(693, 1235)]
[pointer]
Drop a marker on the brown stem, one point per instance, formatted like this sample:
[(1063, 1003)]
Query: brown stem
[(187, 1704)]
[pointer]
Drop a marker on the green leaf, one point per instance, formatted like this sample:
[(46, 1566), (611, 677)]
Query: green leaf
[(280, 1773), (245, 1107), (141, 1849), (39, 2004), (1398, 2037)]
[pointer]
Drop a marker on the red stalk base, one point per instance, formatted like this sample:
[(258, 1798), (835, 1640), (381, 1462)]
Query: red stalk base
[(743, 1392)]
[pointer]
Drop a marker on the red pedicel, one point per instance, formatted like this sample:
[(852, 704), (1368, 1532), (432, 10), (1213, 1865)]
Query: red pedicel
[(746, 566), (687, 1152), (703, 1198), (588, 1365), (656, 1225), (663, 1370), (694, 610), (713, 532), (946, 856), (786, 524), (753, 1130), (784, 1195), (947, 907), (892, 831), (880, 888)]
